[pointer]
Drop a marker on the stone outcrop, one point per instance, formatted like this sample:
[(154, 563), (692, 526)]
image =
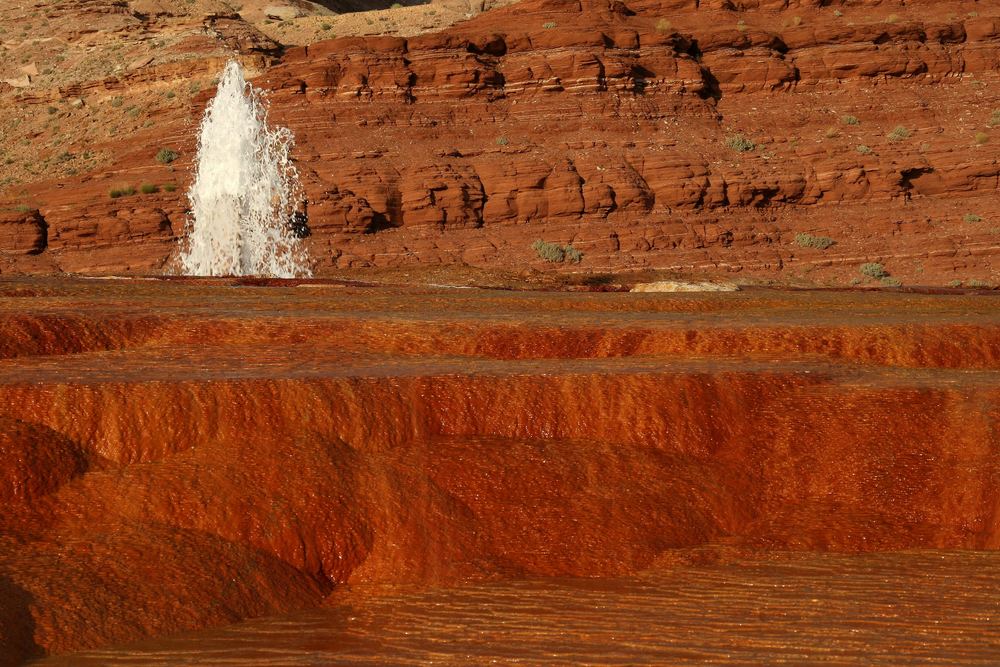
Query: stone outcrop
[(700, 137)]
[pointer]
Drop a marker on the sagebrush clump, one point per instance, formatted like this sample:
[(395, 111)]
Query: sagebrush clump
[(873, 270), (555, 253), (810, 241), (739, 143), (899, 133), (123, 191), (166, 155)]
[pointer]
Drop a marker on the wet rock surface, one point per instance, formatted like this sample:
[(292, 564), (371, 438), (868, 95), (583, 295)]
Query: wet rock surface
[(194, 453)]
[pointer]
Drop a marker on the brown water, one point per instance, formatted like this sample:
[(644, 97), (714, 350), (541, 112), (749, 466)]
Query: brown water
[(929, 607), (185, 456)]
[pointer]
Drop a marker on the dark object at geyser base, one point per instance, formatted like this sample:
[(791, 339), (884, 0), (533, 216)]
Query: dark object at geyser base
[(300, 225)]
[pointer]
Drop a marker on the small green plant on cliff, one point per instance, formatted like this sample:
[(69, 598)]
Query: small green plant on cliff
[(116, 102), (149, 188), (550, 252), (899, 133), (982, 138), (873, 270), (850, 120), (810, 241), (663, 25), (864, 150), (971, 217), (170, 187), (573, 256), (22, 208), (739, 143), (889, 281), (978, 284), (325, 26), (549, 25), (166, 156), (994, 120), (892, 18), (124, 191), (502, 141), (553, 252)]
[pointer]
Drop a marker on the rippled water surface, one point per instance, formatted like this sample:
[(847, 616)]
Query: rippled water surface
[(919, 607)]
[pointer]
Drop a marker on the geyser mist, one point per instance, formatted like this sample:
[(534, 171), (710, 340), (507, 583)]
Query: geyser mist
[(245, 191)]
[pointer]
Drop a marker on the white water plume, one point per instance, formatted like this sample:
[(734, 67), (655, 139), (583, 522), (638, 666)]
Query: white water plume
[(245, 191)]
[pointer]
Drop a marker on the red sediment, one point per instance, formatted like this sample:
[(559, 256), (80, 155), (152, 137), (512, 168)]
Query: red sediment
[(316, 438)]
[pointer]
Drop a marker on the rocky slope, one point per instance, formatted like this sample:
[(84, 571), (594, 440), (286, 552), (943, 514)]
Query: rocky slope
[(772, 140)]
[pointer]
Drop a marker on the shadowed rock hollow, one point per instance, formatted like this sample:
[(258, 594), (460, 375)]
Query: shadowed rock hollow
[(247, 451)]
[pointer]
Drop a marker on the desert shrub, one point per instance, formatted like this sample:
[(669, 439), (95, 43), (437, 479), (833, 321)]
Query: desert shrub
[(982, 138), (892, 18), (148, 188), (898, 133), (864, 150), (994, 118), (741, 25), (838, 13), (52, 111), (663, 25), (550, 252), (117, 102), (133, 112), (502, 141), (395, 5), (739, 143), (22, 208), (325, 26), (573, 256), (124, 191), (850, 120), (166, 155), (170, 187), (955, 283), (889, 281), (549, 25), (170, 95), (977, 284), (553, 252), (831, 133), (971, 217), (873, 270), (810, 241)]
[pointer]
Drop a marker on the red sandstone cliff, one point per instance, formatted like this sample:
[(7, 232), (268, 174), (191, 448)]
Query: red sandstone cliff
[(606, 125)]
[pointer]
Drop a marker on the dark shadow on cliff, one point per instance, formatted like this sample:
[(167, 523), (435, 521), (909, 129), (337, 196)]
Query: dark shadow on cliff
[(17, 625)]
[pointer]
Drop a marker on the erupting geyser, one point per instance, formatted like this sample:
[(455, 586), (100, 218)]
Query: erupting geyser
[(245, 191)]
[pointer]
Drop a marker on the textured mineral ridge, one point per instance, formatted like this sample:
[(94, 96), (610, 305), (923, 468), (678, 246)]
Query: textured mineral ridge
[(181, 455), (697, 137)]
